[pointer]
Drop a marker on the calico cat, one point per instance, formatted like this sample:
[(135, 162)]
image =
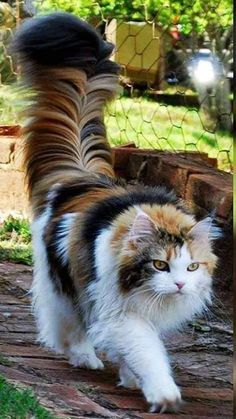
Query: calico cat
[(113, 269)]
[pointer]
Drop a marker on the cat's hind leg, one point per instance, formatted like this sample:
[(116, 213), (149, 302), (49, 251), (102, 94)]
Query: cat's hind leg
[(58, 323), (59, 326)]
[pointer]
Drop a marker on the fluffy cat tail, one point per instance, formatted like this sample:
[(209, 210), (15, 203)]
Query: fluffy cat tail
[(65, 61)]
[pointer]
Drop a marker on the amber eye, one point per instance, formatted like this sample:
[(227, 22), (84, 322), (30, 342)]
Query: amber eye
[(193, 267), (161, 265)]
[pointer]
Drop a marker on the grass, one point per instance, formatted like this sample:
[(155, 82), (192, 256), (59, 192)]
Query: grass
[(158, 126), (19, 403), (145, 122), (15, 241)]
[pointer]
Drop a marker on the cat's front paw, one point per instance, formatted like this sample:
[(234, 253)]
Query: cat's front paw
[(163, 397), (127, 378)]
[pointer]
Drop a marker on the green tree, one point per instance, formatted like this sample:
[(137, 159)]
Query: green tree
[(210, 19)]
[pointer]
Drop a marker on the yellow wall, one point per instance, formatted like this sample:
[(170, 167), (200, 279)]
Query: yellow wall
[(139, 48)]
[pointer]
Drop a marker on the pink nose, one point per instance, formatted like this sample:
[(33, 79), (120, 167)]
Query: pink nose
[(179, 285)]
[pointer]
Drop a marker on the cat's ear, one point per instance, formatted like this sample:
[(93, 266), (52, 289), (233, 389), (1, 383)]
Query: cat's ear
[(205, 229), (142, 227)]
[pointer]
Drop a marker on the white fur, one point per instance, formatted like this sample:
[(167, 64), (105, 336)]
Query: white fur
[(62, 238), (58, 324), (129, 328)]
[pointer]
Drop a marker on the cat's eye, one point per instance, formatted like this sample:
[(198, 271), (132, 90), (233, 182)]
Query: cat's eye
[(161, 265), (193, 267)]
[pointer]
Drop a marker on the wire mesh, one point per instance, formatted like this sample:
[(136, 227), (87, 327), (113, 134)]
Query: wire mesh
[(176, 70)]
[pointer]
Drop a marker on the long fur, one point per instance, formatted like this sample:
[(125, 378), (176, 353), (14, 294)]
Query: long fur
[(72, 79), (97, 247)]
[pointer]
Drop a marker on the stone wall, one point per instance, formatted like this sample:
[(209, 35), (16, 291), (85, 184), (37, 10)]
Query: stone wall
[(13, 195), (194, 177)]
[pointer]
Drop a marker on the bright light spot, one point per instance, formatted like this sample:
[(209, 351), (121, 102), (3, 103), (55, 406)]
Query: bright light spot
[(204, 72)]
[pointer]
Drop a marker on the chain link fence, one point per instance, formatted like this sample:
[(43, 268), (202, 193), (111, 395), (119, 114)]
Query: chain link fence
[(176, 70)]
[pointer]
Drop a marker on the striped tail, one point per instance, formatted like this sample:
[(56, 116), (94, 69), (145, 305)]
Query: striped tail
[(65, 61)]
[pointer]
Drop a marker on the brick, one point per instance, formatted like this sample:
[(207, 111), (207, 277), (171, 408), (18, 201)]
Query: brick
[(10, 130), (166, 172), (211, 191), (29, 351), (121, 157), (126, 145), (6, 148), (75, 398), (204, 409), (93, 378), (217, 394), (18, 156), (40, 364), (12, 373), (173, 170), (12, 192), (125, 402), (137, 159), (137, 163), (200, 157)]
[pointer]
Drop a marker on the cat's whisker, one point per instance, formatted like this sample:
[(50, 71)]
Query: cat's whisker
[(144, 291), (150, 304)]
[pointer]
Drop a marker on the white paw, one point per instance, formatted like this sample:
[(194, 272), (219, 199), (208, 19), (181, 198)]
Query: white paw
[(85, 360), (127, 378), (164, 396), (128, 382), (82, 359)]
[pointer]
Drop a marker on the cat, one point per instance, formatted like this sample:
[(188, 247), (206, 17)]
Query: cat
[(113, 269)]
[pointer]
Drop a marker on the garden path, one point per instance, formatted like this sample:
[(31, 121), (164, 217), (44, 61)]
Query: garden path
[(201, 358)]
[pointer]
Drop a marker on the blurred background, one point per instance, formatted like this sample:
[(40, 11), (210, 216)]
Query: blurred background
[(176, 70)]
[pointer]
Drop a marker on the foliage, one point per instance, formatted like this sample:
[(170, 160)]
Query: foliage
[(15, 241), (15, 252), (19, 404), (18, 226), (13, 99), (194, 16), (83, 8)]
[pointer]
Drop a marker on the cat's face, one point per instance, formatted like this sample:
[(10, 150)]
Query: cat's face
[(163, 251), (178, 271)]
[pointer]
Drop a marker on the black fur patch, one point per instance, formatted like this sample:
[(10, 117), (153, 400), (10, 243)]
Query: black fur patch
[(78, 187), (59, 272), (131, 277), (102, 214), (63, 40), (95, 127)]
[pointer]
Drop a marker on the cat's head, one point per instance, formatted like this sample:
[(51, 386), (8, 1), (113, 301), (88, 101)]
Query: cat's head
[(162, 250)]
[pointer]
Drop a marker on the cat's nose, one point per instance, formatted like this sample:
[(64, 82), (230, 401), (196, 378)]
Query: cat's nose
[(179, 285)]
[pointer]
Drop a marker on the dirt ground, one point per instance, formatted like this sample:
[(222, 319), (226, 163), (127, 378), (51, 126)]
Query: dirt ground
[(201, 358)]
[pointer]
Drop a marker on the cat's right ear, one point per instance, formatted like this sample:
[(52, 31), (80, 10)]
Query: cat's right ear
[(205, 229)]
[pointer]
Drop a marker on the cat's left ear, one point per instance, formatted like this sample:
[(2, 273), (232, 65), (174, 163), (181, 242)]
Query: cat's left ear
[(142, 227), (205, 229)]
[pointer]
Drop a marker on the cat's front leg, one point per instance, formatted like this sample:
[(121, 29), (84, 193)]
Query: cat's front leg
[(143, 352)]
